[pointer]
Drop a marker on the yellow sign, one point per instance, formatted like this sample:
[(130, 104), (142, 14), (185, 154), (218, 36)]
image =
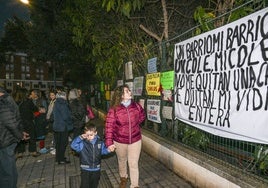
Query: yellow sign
[(153, 84)]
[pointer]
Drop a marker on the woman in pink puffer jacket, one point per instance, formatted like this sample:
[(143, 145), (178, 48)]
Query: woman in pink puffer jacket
[(123, 132)]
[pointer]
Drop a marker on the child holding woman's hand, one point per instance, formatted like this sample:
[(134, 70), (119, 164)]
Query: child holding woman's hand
[(90, 149)]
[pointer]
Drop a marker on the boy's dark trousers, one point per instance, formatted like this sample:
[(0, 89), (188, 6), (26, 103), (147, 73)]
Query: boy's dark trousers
[(90, 179)]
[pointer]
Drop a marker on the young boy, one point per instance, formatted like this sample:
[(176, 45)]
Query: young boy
[(90, 148)]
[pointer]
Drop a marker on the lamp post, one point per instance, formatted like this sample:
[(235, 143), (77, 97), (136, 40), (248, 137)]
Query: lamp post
[(29, 4)]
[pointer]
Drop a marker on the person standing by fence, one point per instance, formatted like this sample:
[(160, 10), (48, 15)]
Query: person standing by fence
[(123, 131)]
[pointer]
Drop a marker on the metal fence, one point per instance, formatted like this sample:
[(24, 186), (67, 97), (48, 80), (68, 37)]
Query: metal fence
[(252, 158)]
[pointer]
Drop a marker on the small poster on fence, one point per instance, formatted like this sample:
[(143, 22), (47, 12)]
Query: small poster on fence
[(153, 110)]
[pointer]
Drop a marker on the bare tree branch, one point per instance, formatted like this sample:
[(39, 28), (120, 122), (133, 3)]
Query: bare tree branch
[(150, 33), (165, 16)]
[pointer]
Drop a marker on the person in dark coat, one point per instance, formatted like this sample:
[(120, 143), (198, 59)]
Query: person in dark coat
[(78, 112), (11, 132), (27, 110), (62, 125)]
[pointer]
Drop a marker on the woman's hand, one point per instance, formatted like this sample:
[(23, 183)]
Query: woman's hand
[(111, 148)]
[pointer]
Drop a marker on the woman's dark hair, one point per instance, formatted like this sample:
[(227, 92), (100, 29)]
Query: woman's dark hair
[(53, 91), (117, 95)]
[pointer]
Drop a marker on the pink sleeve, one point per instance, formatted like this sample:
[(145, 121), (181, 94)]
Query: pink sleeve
[(109, 127)]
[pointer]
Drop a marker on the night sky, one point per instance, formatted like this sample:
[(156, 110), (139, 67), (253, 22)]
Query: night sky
[(10, 8)]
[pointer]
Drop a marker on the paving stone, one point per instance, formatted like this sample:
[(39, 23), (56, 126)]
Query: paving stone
[(44, 172)]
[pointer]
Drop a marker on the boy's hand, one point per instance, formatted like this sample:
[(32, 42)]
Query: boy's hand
[(111, 148), (84, 136)]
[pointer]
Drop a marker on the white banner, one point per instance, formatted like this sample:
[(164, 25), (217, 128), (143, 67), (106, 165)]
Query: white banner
[(221, 79)]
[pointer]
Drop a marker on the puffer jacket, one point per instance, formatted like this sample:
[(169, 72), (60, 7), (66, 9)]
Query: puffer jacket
[(62, 116), (123, 124), (90, 152), (10, 123)]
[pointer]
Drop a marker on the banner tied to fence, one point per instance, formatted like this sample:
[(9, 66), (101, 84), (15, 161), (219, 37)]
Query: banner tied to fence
[(221, 79)]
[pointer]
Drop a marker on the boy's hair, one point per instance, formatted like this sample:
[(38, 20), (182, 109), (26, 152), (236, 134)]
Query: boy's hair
[(90, 127)]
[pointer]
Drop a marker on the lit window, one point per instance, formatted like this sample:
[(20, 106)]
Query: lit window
[(11, 58), (37, 76), (7, 76), (27, 69), (11, 67), (23, 60), (27, 76)]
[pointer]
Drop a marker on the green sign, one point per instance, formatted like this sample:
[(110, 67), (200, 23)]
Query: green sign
[(167, 80)]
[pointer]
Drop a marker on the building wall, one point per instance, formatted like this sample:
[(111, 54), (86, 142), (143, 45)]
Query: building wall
[(20, 70)]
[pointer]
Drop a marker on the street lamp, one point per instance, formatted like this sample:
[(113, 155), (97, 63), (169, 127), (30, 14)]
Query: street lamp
[(25, 2)]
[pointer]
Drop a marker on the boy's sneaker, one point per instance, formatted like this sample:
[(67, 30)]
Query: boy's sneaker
[(43, 150)]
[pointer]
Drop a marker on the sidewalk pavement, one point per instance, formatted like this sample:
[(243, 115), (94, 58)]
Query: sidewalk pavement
[(43, 171)]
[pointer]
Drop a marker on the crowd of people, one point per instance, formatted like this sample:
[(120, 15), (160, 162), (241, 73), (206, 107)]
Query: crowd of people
[(65, 114)]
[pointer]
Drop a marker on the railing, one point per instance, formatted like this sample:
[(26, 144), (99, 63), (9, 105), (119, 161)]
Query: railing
[(251, 158)]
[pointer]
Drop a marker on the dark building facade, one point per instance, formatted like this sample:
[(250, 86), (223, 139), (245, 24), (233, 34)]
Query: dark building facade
[(19, 70)]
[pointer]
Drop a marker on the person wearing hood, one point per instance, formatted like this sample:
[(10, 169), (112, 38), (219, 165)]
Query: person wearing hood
[(62, 125), (78, 112), (11, 132), (123, 132)]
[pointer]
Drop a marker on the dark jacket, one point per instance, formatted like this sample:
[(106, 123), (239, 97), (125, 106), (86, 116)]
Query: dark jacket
[(90, 152), (40, 125), (10, 123), (78, 112), (62, 116), (123, 124), (27, 110)]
